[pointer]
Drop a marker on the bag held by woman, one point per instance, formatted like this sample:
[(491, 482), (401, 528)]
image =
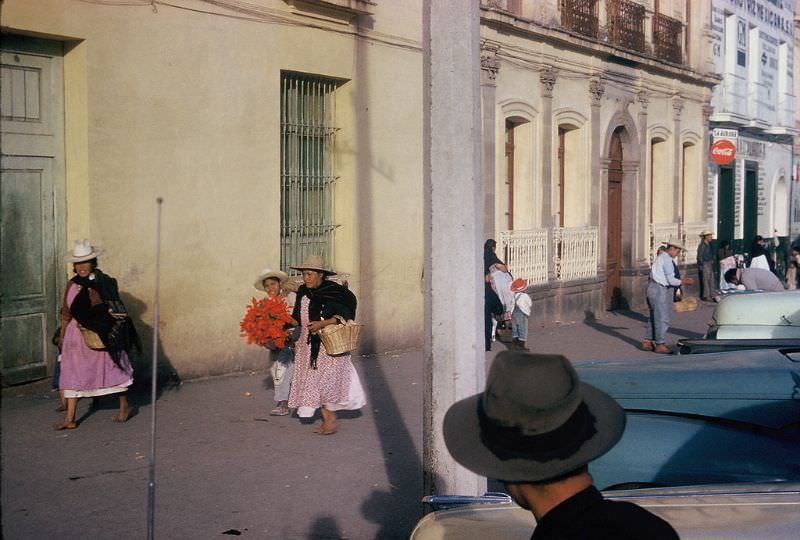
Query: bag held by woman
[(340, 338), (91, 339)]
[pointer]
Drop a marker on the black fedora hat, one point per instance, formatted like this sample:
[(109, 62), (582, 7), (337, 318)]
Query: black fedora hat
[(535, 421)]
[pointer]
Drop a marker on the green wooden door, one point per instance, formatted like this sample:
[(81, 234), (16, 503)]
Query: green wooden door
[(750, 228), (725, 197), (31, 219)]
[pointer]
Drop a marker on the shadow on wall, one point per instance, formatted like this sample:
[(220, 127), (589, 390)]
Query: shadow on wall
[(167, 377)]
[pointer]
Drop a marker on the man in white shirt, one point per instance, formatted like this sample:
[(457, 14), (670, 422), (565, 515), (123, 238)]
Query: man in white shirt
[(660, 297)]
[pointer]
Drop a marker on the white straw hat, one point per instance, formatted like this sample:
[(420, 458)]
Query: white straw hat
[(82, 250)]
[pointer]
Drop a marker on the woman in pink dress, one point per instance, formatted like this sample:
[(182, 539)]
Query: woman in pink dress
[(91, 372), (320, 380)]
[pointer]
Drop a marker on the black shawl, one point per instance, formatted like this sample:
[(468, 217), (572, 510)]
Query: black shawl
[(117, 333), (325, 301)]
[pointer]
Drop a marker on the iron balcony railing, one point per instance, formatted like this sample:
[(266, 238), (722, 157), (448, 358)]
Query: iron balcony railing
[(668, 38), (626, 24), (580, 16)]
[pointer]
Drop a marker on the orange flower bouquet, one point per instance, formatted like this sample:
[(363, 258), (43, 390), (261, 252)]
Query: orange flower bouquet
[(265, 323)]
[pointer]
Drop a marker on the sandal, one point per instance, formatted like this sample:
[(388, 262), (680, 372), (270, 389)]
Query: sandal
[(279, 411)]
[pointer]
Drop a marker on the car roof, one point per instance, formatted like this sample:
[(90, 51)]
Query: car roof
[(766, 308)]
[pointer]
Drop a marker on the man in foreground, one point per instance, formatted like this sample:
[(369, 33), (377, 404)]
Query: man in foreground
[(536, 427)]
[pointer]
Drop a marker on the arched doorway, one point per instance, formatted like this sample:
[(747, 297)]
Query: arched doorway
[(614, 299)]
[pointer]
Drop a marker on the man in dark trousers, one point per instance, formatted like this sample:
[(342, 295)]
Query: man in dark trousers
[(536, 427), (705, 266)]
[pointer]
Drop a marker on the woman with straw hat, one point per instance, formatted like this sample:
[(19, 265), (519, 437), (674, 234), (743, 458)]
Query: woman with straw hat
[(320, 380), (91, 368)]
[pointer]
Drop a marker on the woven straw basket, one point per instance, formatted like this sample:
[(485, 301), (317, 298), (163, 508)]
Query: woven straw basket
[(91, 339), (341, 338), (689, 303)]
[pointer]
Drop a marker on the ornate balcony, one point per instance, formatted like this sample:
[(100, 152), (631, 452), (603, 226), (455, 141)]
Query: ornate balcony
[(667, 38), (626, 24), (580, 16), (690, 234)]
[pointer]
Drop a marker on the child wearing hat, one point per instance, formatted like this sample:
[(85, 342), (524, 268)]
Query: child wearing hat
[(277, 286), (519, 317)]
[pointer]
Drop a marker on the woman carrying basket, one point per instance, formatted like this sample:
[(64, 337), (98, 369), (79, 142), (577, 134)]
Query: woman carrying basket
[(321, 380)]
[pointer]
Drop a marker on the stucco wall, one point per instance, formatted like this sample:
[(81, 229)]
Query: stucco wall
[(185, 105)]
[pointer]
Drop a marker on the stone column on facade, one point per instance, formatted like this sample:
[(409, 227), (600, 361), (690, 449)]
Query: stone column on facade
[(597, 88), (707, 111), (677, 149), (490, 64), (547, 78), (644, 214), (453, 318)]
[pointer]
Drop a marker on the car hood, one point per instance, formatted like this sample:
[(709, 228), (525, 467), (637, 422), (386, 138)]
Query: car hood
[(758, 386)]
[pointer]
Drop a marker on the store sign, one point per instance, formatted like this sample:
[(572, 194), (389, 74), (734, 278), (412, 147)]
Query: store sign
[(723, 152)]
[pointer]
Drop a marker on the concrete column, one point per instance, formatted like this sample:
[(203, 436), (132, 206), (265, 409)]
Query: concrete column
[(490, 64), (547, 78), (645, 213), (453, 232)]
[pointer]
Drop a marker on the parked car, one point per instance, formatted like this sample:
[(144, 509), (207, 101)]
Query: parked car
[(752, 511), (766, 315), (712, 445), (750, 321), (696, 419)]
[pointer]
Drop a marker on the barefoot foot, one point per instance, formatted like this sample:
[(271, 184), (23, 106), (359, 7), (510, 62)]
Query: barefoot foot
[(65, 425)]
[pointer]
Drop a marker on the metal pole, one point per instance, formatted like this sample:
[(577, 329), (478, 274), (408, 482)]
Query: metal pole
[(151, 484)]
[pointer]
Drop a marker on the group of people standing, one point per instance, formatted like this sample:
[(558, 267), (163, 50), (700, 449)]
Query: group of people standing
[(504, 299), (305, 376)]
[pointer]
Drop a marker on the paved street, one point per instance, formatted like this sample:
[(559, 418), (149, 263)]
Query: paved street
[(225, 468)]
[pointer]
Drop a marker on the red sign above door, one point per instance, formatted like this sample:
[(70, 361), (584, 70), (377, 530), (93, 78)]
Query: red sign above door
[(723, 152)]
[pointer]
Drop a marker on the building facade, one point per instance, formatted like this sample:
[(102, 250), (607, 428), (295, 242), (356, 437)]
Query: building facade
[(595, 142), (754, 108), (278, 128), (271, 128)]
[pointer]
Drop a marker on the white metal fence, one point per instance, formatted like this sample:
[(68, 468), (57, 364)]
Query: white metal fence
[(575, 252), (525, 254)]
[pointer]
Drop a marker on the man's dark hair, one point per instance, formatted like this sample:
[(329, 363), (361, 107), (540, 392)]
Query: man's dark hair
[(563, 476), (730, 275)]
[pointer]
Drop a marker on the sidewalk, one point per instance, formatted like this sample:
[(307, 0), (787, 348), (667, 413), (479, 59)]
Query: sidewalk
[(224, 466)]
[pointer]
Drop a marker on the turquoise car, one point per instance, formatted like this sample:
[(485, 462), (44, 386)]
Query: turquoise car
[(702, 418)]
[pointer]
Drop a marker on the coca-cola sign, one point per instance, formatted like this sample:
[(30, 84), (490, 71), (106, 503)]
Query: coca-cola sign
[(723, 152)]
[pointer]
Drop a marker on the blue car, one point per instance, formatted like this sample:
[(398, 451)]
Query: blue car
[(699, 419)]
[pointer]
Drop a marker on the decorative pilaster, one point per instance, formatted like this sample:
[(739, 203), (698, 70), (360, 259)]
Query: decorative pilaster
[(490, 65), (677, 173), (597, 87), (709, 207), (644, 213), (547, 78)]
